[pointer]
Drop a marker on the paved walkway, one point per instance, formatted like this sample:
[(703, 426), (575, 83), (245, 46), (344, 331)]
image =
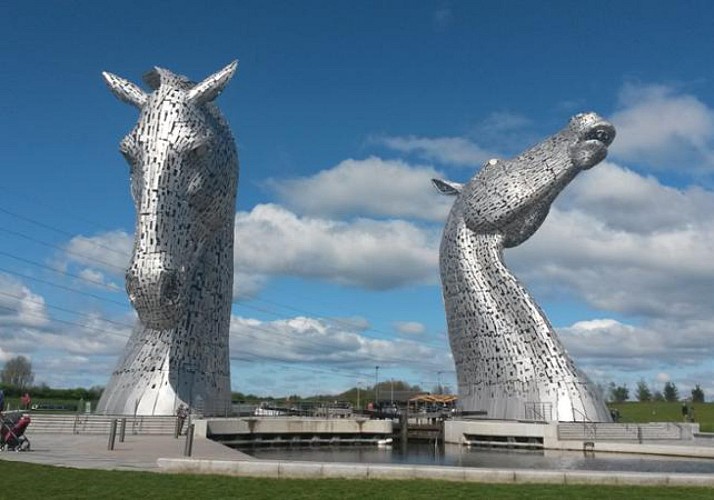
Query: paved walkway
[(137, 452)]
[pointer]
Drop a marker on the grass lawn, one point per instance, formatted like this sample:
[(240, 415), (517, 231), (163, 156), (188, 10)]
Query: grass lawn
[(652, 411), (24, 480)]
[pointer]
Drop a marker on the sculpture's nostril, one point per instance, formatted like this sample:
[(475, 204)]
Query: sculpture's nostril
[(604, 133), (602, 136)]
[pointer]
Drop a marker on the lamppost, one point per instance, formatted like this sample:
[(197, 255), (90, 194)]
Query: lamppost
[(376, 385), (359, 386)]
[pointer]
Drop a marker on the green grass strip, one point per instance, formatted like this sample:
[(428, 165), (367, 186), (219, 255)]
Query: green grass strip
[(23, 480)]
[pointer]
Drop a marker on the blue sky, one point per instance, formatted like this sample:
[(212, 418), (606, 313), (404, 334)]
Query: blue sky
[(343, 111)]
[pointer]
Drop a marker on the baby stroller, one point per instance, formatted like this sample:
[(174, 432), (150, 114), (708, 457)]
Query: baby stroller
[(12, 431)]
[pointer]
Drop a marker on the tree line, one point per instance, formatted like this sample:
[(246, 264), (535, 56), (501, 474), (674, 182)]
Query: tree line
[(17, 377), (669, 393)]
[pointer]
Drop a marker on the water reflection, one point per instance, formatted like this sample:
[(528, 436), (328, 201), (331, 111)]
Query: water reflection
[(459, 456)]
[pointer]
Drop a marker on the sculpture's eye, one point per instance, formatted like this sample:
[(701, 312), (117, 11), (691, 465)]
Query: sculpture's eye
[(197, 153), (128, 149)]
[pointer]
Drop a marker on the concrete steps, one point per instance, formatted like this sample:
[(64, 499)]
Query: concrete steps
[(588, 431), (99, 424)]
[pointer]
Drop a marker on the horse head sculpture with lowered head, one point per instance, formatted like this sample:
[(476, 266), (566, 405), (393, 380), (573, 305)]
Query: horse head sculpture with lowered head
[(183, 168)]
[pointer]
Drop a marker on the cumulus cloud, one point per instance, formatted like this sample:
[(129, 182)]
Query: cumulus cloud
[(109, 251), (611, 343), (409, 327), (645, 261), (19, 307), (662, 127), (377, 255), (636, 203), (98, 261), (444, 150), (97, 278), (27, 328), (311, 340), (369, 187)]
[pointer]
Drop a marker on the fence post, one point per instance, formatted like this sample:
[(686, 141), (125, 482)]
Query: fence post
[(122, 430), (188, 449), (112, 434)]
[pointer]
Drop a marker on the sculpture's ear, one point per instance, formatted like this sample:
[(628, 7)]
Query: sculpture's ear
[(209, 88), (447, 187), (125, 90)]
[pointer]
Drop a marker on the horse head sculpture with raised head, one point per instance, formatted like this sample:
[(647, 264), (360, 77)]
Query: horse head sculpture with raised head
[(184, 174), (509, 361)]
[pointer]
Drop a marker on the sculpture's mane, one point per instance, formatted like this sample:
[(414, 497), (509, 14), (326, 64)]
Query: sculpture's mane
[(160, 77)]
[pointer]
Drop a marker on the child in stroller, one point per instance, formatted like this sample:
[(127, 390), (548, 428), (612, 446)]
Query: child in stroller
[(12, 431)]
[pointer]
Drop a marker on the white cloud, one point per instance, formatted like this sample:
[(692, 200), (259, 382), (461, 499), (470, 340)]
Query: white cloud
[(625, 200), (663, 377), (109, 252), (19, 307), (409, 327), (658, 267), (503, 121), (378, 255), (310, 340), (444, 150), (608, 343), (661, 127), (96, 278), (370, 187)]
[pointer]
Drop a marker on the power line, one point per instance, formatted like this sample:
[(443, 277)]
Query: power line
[(96, 283), (70, 252), (62, 287), (82, 278), (59, 271)]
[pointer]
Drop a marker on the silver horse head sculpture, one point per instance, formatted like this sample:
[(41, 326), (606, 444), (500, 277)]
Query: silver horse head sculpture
[(184, 175), (509, 361)]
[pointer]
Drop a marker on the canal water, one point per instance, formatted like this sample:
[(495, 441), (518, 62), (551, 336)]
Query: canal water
[(460, 456)]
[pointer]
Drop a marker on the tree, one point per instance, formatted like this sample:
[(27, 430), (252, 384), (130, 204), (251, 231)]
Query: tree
[(17, 373), (643, 392), (670, 392), (658, 396), (619, 393), (697, 394)]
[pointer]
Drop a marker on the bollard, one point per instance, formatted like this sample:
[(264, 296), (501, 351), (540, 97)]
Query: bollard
[(112, 434), (188, 449), (122, 430), (404, 429)]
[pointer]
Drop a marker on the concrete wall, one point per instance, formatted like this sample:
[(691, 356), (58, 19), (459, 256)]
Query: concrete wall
[(289, 469), (228, 426), (455, 430)]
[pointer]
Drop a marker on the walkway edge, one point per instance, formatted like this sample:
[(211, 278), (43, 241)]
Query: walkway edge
[(317, 470)]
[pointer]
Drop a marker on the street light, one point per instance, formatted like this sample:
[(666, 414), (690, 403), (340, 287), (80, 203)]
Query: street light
[(376, 385)]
